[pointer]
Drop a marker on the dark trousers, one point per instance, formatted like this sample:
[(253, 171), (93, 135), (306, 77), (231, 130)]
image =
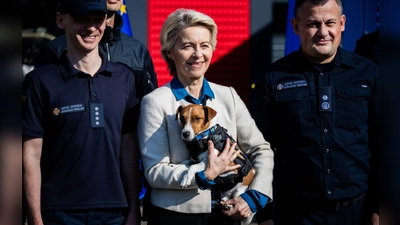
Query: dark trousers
[(317, 214), (162, 216), (84, 217)]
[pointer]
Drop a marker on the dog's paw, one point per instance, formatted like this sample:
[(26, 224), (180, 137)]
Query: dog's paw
[(224, 198), (186, 181)]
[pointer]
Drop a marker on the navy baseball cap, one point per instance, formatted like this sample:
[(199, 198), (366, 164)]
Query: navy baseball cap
[(77, 8)]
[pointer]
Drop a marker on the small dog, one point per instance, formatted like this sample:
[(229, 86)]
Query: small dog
[(198, 126)]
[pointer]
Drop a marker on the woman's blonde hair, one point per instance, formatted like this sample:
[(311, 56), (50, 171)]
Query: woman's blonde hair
[(175, 23)]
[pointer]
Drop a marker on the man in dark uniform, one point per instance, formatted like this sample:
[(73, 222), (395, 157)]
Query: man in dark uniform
[(318, 107), (118, 47), (80, 152)]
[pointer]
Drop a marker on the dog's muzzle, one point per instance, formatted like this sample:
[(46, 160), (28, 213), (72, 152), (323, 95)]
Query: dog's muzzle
[(218, 136)]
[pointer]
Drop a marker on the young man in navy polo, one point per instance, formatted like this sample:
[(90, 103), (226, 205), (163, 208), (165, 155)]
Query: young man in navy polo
[(79, 121)]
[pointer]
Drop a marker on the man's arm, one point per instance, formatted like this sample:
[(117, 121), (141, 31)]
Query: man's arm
[(130, 174), (149, 68), (10, 177), (32, 150)]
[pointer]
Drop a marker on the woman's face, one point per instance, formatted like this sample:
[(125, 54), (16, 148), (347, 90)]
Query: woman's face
[(192, 52)]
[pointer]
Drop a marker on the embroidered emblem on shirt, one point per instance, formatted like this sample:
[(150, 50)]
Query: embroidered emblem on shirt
[(291, 84), (69, 109), (325, 99), (96, 115), (325, 105), (56, 111), (253, 85)]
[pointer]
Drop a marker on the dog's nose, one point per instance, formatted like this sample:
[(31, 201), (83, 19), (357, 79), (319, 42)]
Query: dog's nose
[(185, 134)]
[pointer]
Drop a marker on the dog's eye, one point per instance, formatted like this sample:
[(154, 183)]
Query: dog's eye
[(197, 119)]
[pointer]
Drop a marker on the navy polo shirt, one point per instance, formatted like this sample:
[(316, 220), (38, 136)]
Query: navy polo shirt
[(81, 119)]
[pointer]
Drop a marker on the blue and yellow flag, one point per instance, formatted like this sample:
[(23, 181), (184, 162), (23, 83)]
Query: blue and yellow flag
[(126, 27)]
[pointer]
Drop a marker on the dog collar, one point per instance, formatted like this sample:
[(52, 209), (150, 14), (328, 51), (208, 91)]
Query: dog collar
[(205, 133)]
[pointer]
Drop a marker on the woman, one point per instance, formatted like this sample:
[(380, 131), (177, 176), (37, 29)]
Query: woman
[(188, 39)]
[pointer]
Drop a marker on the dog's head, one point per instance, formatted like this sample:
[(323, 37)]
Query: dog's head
[(193, 119)]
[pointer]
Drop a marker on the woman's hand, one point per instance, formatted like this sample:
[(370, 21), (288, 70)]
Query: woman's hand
[(218, 164), (238, 210)]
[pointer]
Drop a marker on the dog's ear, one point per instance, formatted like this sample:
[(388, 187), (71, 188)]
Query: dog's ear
[(178, 111), (209, 113)]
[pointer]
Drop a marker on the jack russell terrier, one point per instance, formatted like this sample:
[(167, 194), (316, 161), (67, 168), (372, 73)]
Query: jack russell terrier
[(198, 126)]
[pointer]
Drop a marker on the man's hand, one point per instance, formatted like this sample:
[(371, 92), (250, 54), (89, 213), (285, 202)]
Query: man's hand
[(375, 219)]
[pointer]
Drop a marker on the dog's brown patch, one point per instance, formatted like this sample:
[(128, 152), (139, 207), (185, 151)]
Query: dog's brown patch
[(247, 179), (199, 116)]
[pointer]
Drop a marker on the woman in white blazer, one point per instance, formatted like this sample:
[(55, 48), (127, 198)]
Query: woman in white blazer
[(188, 40)]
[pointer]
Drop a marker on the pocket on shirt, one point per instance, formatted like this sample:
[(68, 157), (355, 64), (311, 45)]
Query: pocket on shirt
[(293, 110), (352, 104)]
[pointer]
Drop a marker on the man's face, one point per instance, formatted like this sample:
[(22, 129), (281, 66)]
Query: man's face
[(83, 33), (319, 29), (114, 5)]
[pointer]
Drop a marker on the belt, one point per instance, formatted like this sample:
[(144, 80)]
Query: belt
[(339, 205)]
